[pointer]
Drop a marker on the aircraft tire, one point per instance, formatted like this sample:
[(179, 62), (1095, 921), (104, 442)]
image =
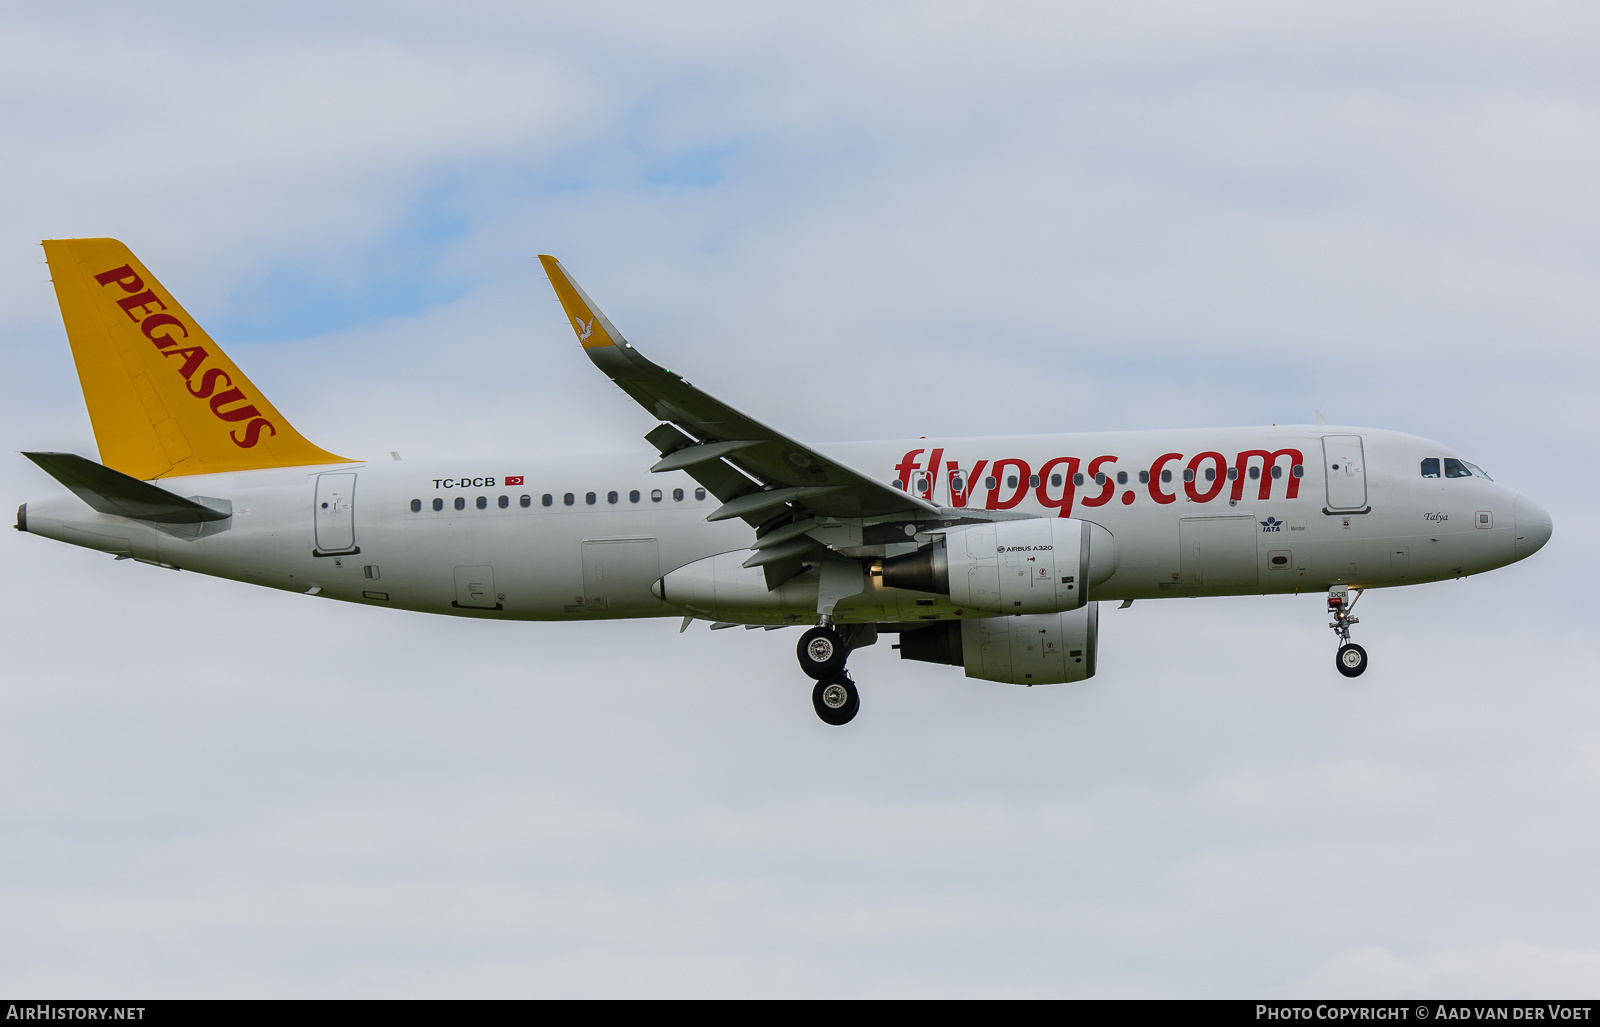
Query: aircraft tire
[(1351, 660), (822, 653), (836, 700)]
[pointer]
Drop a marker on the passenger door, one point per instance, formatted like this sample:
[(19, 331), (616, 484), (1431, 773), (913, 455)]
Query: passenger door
[(335, 514), (1344, 465)]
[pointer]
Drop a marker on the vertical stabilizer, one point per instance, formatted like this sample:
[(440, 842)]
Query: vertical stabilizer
[(163, 398)]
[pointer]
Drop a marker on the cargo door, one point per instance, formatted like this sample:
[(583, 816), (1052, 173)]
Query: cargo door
[(1218, 552), (475, 588), (335, 513), (1346, 470), (618, 573)]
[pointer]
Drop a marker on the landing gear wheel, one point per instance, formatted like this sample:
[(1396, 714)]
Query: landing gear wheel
[(822, 653), (836, 699), (1351, 660)]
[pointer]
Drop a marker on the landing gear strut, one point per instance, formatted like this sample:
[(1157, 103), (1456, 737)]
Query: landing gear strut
[(1351, 659)]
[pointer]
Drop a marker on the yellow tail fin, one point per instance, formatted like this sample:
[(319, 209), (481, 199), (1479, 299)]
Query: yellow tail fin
[(163, 398)]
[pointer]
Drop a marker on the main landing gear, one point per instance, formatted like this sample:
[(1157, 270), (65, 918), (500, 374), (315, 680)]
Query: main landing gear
[(836, 699), (1351, 659), (822, 652)]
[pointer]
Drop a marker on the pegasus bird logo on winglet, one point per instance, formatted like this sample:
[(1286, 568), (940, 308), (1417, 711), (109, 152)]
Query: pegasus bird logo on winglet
[(584, 330)]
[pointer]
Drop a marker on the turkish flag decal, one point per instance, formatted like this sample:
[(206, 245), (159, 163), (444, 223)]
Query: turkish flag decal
[(515, 479)]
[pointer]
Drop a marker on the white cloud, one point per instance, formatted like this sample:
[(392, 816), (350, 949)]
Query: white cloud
[(1504, 972)]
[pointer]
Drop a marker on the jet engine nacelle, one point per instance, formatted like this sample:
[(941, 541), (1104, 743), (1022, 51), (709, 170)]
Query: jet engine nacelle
[(1037, 649), (1037, 565)]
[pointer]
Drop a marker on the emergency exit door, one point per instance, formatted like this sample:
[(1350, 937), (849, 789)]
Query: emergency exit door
[(335, 513)]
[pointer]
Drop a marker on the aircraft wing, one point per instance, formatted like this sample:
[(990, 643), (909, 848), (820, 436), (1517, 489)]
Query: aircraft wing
[(757, 472)]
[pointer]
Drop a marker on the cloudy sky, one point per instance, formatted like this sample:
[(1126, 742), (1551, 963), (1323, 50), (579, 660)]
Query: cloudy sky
[(855, 221)]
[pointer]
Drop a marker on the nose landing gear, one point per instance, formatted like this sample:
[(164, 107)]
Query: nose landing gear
[(1351, 659)]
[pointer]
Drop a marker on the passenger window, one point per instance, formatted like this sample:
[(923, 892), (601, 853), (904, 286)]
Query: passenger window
[(438, 504), (461, 503), (700, 494), (1077, 479), (958, 484), (589, 497), (1211, 474), (1033, 481), (1255, 472), (1055, 481), (677, 495), (897, 483), (1122, 477), (505, 501), (611, 497), (633, 497), (1277, 472), (416, 506), (1430, 467), (548, 499), (1233, 474), (1299, 470), (990, 483), (483, 502), (655, 495), (1166, 477), (1454, 468), (1188, 474), (526, 501), (1099, 479), (921, 482), (1011, 481), (569, 499), (1144, 477)]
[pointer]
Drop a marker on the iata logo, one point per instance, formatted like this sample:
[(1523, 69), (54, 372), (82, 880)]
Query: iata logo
[(1271, 524)]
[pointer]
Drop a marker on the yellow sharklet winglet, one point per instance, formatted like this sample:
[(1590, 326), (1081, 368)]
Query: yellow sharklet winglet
[(593, 329), (163, 398)]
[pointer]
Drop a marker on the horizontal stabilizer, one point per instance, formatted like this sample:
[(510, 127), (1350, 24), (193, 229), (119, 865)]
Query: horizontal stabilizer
[(112, 492)]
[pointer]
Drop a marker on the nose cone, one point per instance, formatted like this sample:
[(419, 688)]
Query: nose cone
[(1533, 527)]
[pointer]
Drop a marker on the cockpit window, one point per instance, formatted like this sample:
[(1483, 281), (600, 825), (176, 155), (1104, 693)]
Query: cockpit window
[(1454, 468), (1430, 467), (1477, 472)]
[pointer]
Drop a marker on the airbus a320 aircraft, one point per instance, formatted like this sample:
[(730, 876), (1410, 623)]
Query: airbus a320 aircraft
[(990, 554)]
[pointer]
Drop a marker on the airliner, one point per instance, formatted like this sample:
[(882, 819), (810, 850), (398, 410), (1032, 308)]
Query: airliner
[(991, 554)]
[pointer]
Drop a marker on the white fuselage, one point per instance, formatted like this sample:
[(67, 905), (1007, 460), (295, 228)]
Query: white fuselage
[(374, 535)]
